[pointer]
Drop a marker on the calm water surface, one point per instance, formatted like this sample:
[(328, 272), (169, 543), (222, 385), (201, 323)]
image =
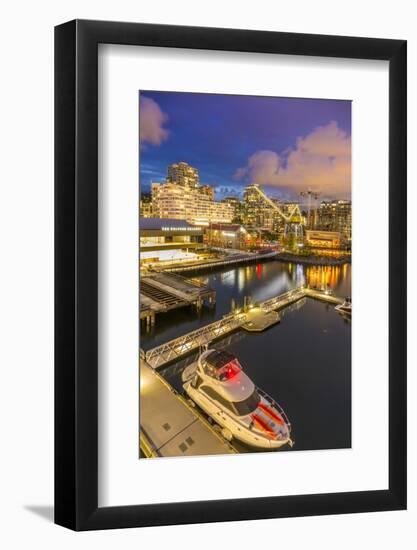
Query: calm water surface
[(260, 282), (304, 362)]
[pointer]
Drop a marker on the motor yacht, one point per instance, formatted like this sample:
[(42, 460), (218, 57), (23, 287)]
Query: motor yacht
[(218, 385), (346, 307)]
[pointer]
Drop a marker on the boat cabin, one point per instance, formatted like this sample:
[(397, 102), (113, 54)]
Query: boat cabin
[(221, 365)]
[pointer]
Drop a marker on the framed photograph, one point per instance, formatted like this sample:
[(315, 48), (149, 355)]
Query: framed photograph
[(224, 198)]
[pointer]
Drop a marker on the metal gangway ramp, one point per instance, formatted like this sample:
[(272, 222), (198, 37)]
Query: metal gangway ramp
[(174, 349)]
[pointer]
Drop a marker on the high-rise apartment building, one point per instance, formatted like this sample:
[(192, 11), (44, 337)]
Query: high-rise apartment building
[(170, 200), (259, 212), (183, 174), (336, 216), (237, 206), (253, 206), (207, 190), (145, 206)]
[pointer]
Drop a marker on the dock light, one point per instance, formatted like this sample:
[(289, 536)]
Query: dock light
[(144, 381)]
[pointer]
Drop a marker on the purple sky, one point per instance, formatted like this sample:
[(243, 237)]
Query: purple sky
[(287, 145)]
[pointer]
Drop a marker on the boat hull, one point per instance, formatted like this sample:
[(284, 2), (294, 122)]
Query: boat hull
[(238, 431)]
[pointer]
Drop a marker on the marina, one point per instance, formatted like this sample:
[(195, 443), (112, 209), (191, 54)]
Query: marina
[(304, 329)]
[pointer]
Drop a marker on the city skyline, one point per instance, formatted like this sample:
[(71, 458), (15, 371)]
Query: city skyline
[(286, 145)]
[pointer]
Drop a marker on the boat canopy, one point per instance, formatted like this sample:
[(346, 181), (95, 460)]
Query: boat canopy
[(219, 358), (221, 365)]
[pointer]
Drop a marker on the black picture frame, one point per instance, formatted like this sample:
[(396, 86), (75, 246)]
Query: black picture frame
[(76, 272)]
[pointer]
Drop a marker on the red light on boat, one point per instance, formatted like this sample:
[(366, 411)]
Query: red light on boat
[(229, 371)]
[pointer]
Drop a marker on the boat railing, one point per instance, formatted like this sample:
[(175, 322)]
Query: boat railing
[(251, 425), (276, 405)]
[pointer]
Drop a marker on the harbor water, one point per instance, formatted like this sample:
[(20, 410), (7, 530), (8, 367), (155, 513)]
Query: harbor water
[(304, 362)]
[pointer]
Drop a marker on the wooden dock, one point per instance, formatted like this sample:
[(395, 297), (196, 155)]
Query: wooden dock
[(161, 292)]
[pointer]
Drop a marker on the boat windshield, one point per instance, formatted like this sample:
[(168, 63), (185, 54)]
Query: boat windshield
[(229, 370), (248, 405)]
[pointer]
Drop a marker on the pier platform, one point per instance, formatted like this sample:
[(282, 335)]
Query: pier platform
[(160, 292), (169, 426)]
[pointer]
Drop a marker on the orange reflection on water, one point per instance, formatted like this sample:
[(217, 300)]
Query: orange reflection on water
[(325, 276)]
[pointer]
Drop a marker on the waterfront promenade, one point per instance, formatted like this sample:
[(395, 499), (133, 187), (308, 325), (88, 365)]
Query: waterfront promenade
[(313, 259), (227, 260)]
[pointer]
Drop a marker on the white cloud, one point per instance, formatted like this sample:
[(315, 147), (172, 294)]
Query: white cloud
[(320, 161), (152, 120)]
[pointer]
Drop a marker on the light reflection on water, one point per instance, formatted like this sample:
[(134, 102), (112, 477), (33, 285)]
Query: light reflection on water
[(258, 281)]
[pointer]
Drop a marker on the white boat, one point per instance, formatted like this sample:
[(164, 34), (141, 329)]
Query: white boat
[(218, 385), (346, 307)]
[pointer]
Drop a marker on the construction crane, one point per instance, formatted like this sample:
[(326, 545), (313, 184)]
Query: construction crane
[(293, 216), (293, 219)]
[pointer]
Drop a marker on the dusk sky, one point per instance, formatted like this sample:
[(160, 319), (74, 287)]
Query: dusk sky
[(286, 145)]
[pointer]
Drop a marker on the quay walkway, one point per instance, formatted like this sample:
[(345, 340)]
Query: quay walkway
[(234, 259), (175, 349), (169, 426)]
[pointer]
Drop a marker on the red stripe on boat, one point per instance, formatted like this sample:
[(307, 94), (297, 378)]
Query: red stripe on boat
[(263, 425), (271, 413)]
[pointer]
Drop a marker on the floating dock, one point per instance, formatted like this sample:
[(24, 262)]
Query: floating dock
[(258, 320), (175, 349), (169, 426)]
